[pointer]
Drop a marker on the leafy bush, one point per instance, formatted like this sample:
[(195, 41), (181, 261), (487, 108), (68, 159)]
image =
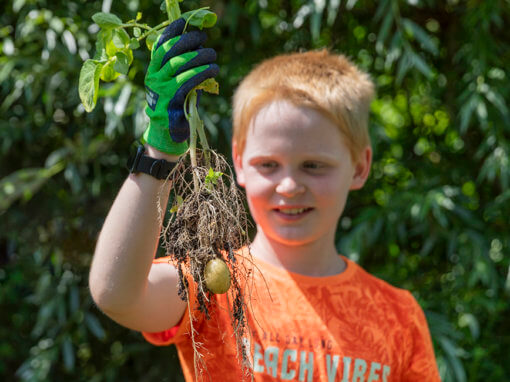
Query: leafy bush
[(433, 217)]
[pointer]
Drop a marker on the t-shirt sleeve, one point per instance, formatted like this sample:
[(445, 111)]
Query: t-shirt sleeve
[(177, 333), (422, 364)]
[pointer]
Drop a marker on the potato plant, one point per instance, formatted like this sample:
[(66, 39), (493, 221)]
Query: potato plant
[(208, 222)]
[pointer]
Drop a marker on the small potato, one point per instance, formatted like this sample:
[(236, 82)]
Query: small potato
[(217, 276)]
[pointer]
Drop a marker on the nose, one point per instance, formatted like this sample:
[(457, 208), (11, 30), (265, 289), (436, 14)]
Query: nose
[(289, 186)]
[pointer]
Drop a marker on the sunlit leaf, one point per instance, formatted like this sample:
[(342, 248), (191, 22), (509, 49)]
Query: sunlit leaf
[(106, 20), (210, 85), (201, 19), (89, 83)]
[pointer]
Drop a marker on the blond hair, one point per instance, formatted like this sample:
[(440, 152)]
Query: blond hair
[(320, 80)]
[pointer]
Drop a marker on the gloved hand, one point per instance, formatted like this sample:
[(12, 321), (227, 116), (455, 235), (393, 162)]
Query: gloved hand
[(178, 64)]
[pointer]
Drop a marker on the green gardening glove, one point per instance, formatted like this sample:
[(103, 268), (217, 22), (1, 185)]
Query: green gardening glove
[(178, 64)]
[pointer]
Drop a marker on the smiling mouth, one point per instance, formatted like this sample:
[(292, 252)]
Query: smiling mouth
[(293, 211)]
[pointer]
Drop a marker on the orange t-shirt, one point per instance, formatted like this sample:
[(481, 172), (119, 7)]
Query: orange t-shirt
[(351, 327)]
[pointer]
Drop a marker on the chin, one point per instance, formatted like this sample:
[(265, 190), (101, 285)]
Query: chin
[(293, 239)]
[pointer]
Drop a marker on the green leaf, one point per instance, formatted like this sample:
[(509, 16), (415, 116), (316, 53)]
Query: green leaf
[(466, 111), (212, 177), (68, 353), (103, 37), (385, 28), (137, 32), (129, 53), (151, 39), (134, 43), (210, 85), (121, 64), (403, 67), (106, 20), (105, 47), (333, 6), (420, 35), (94, 326), (120, 38), (89, 83), (420, 64), (108, 72), (178, 203), (25, 183), (201, 18)]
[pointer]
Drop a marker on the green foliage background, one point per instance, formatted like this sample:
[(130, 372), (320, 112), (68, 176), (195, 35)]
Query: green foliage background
[(433, 217)]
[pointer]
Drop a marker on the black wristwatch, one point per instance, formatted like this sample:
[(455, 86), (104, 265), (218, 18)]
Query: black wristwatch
[(158, 168)]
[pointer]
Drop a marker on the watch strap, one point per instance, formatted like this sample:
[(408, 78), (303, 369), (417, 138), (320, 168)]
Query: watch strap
[(158, 168)]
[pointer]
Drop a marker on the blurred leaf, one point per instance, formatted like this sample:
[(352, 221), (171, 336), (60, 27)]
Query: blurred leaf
[(120, 38), (108, 72), (89, 83), (25, 183), (419, 63), (385, 28), (122, 63), (466, 111), (68, 353), (454, 361), (94, 326), (333, 7), (421, 36), (106, 20), (151, 39), (134, 43)]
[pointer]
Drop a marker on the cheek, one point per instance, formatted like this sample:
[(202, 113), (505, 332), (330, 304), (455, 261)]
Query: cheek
[(331, 192), (256, 188)]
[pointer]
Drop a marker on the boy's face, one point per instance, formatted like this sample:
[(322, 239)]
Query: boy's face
[(297, 172)]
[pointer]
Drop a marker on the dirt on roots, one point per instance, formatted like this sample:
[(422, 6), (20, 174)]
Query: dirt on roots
[(208, 220)]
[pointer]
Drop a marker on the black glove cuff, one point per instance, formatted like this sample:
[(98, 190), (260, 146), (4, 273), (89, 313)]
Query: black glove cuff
[(158, 168)]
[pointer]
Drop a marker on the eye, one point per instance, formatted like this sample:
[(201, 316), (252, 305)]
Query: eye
[(313, 165), (268, 165)]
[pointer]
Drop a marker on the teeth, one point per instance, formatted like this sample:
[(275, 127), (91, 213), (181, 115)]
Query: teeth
[(293, 211)]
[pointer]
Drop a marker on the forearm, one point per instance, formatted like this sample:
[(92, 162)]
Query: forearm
[(128, 241)]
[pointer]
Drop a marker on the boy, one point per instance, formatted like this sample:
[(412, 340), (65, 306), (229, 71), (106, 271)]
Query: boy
[(300, 144)]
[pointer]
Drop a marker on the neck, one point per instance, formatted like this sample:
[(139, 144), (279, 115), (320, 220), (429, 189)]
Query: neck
[(318, 258)]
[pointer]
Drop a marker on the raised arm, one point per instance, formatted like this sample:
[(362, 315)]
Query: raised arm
[(123, 281)]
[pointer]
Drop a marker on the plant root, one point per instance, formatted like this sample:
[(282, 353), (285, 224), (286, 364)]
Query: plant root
[(205, 223)]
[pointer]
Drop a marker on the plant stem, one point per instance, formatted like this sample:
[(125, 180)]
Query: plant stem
[(132, 25), (195, 123), (193, 139), (155, 29), (203, 140)]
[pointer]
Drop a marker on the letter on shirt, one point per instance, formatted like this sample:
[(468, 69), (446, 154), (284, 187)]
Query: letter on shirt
[(360, 367), (271, 358), (306, 366), (287, 374), (385, 373), (332, 368), (347, 367), (374, 368), (258, 367)]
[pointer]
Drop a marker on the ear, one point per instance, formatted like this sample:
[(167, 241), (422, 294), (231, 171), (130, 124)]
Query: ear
[(238, 164), (362, 168)]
